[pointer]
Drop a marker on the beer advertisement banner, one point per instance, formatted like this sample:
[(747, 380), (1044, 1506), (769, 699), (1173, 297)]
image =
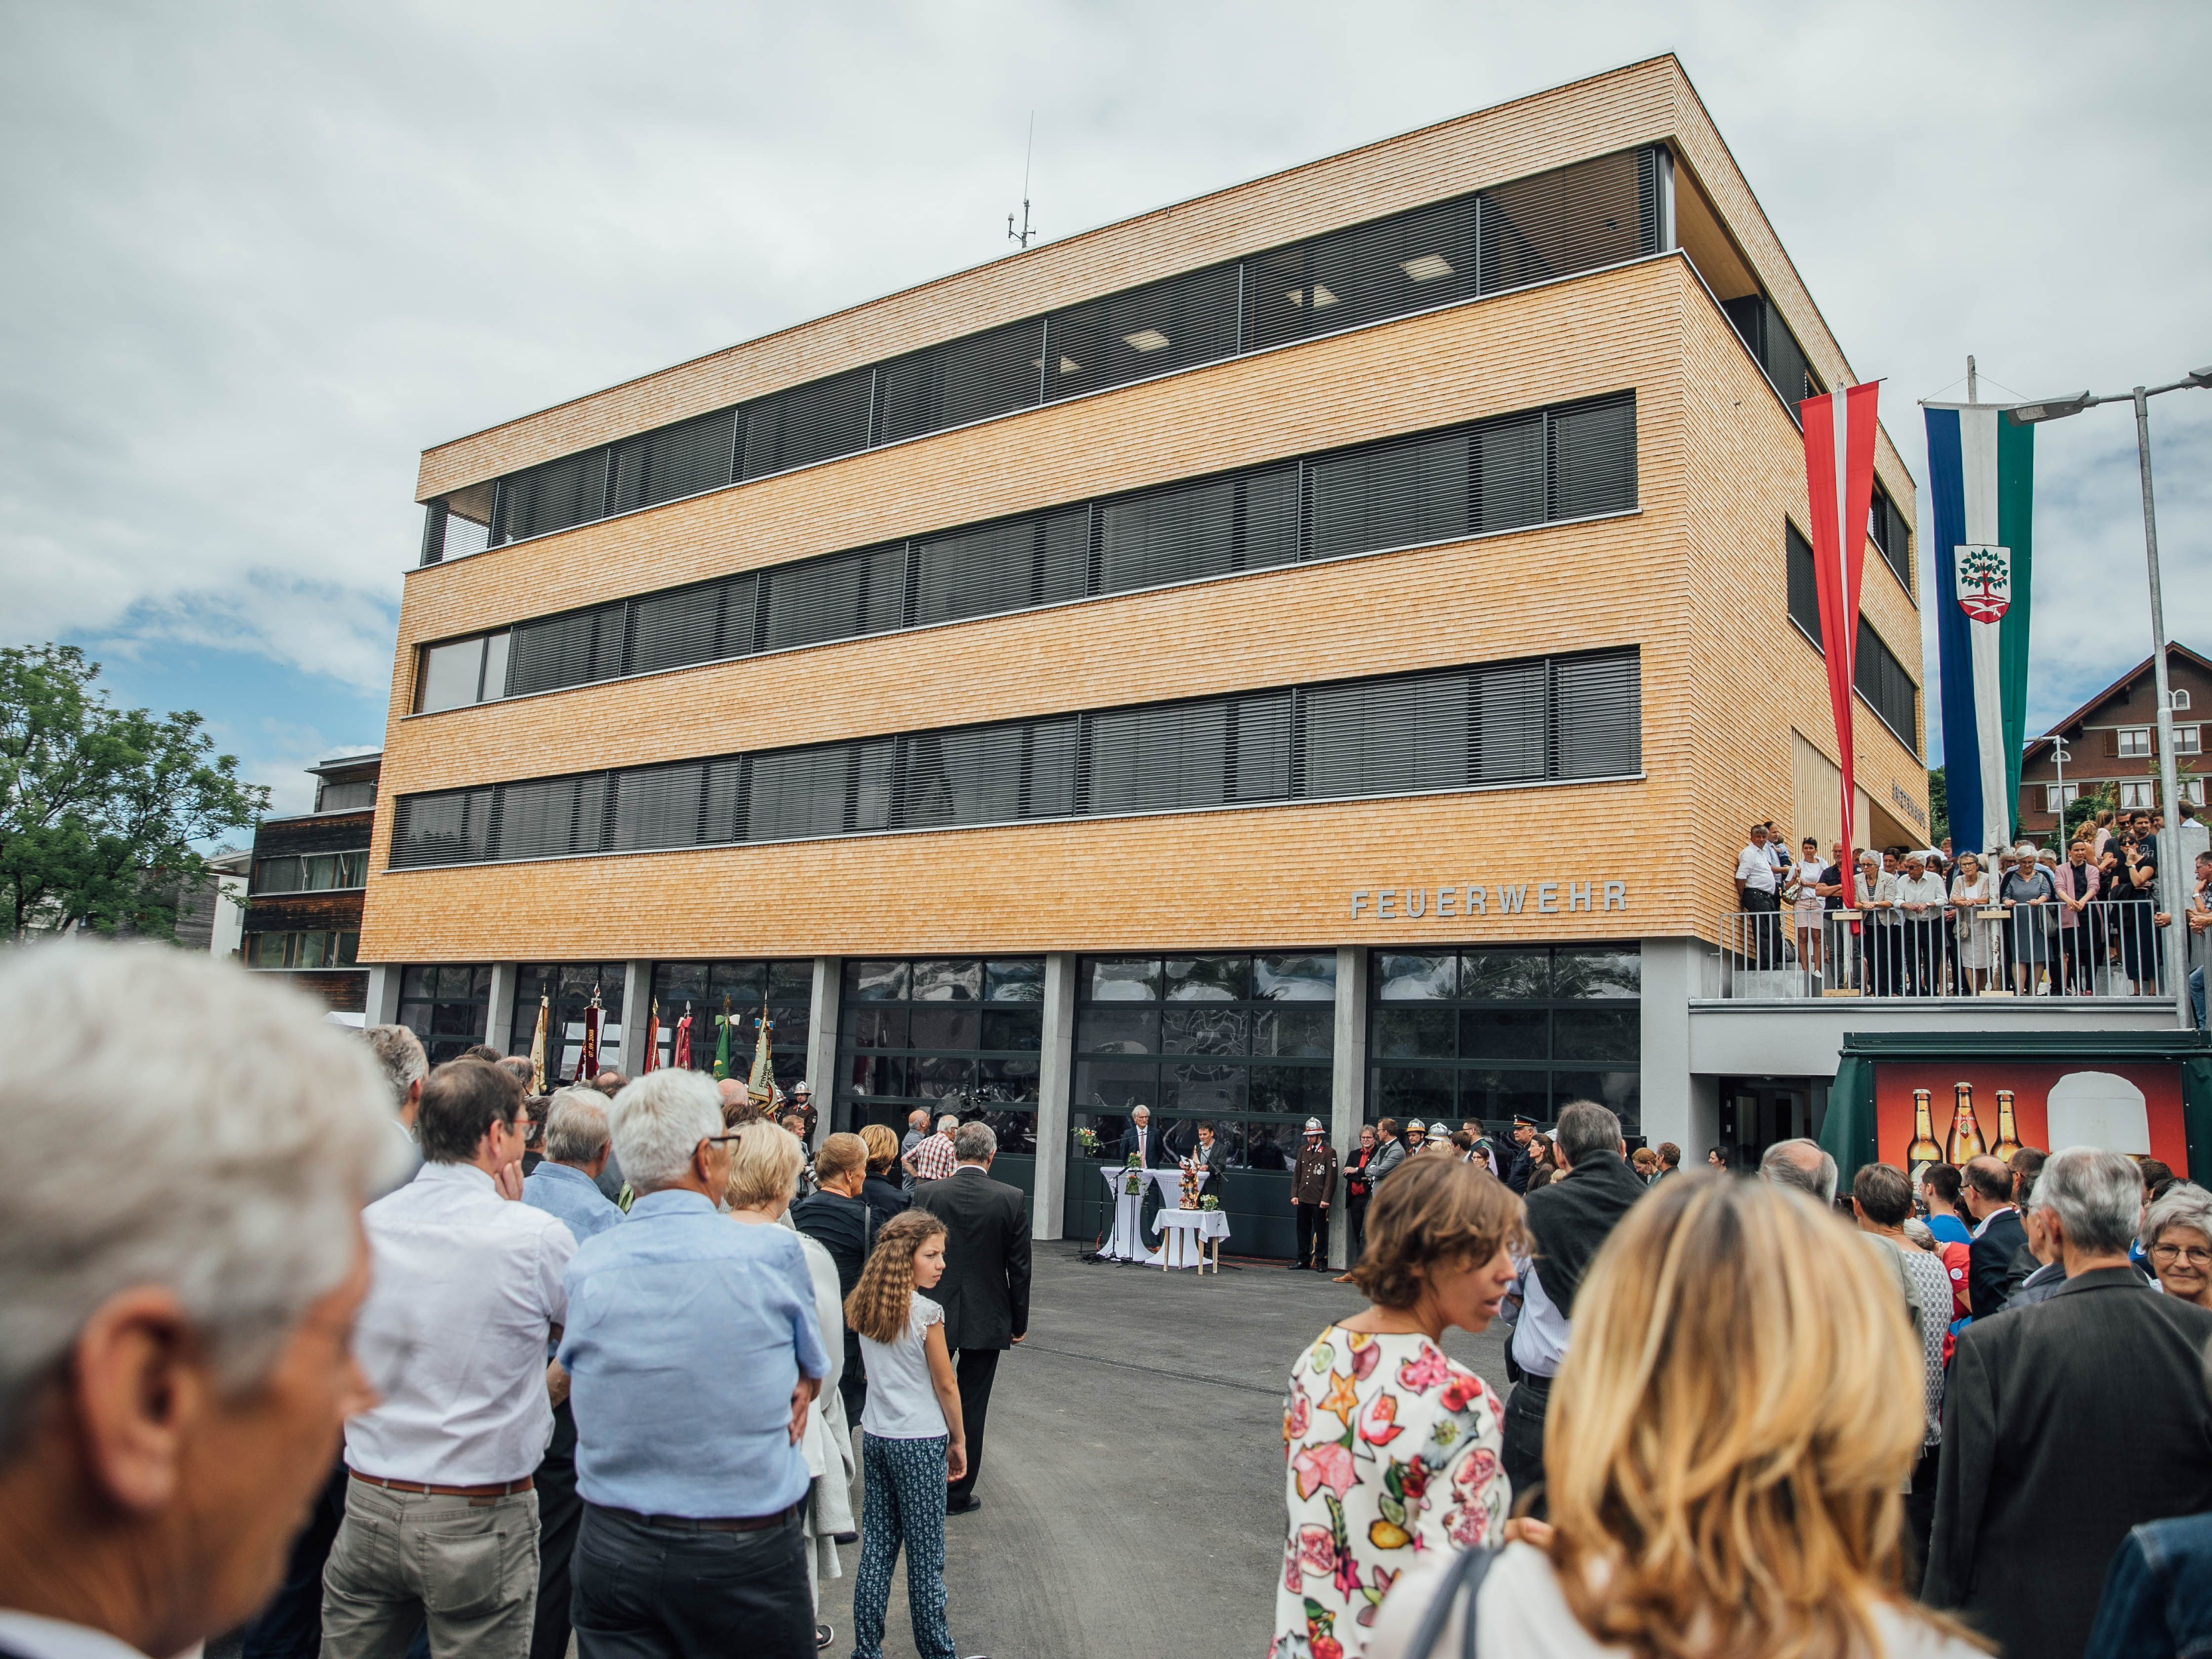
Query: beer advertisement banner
[(2122, 1106)]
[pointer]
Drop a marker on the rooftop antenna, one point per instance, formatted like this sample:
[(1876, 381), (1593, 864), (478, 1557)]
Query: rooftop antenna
[(1023, 234)]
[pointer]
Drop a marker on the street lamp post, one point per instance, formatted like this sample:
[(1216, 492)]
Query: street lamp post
[(2173, 878)]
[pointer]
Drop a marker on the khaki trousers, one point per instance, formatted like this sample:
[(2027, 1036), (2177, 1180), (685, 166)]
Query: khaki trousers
[(467, 1566)]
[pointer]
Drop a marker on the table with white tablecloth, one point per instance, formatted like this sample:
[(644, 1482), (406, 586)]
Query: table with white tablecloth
[(1183, 1233)]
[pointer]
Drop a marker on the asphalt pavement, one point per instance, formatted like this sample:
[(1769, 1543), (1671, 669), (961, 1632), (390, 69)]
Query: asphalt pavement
[(1132, 1476)]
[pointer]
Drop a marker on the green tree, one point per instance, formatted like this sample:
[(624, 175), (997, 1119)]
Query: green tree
[(1939, 807), (99, 805)]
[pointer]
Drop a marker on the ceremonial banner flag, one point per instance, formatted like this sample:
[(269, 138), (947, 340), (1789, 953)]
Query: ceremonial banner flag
[(761, 1085), (651, 1057), (537, 1049), (680, 1052), (1839, 432), (1981, 478), (722, 1043), (587, 1057)]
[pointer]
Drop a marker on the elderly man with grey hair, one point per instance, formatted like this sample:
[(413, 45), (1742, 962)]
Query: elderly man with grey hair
[(175, 1317), (1803, 1164), (985, 1291), (1570, 1217), (694, 1351), (2090, 1407)]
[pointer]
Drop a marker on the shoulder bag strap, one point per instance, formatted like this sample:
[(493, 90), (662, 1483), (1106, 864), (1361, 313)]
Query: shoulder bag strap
[(1463, 1579)]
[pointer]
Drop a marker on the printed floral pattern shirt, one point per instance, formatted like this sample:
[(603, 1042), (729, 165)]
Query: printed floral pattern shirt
[(1391, 1449)]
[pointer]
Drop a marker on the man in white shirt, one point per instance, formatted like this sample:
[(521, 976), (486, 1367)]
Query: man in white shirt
[(1920, 899), (1756, 896), (175, 1361), (441, 1513)]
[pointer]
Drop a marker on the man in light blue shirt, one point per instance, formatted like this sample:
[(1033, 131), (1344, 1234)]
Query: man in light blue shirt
[(565, 1184), (693, 1354), (576, 1146)]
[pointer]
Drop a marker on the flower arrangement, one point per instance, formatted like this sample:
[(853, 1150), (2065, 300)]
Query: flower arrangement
[(1209, 1202), (1087, 1140), (1135, 1182)]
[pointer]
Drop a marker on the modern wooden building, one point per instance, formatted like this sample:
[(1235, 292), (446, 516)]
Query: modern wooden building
[(309, 872), (2111, 742), (1310, 650)]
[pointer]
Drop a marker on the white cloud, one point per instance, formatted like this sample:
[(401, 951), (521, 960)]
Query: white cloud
[(261, 255)]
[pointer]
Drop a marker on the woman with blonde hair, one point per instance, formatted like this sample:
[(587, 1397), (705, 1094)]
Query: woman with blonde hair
[(764, 1165), (879, 1191), (1725, 1457)]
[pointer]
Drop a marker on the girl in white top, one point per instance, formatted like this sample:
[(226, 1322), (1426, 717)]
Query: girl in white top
[(912, 1439), (1708, 1493)]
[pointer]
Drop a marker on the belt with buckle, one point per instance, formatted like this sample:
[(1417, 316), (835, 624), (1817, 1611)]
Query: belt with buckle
[(709, 1523), (496, 1489)]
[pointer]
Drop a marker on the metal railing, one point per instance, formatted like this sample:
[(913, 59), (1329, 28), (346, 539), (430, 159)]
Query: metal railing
[(2108, 950)]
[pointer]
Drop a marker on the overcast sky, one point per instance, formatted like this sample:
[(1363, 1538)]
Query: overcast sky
[(260, 255)]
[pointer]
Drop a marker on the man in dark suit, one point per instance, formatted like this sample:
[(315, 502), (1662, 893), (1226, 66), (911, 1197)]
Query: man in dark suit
[(1998, 1234), (1140, 1141), (985, 1291), (2067, 1423)]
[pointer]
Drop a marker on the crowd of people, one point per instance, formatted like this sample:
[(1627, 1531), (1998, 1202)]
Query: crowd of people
[(297, 1343), (1731, 1429), (360, 1358), (2088, 918)]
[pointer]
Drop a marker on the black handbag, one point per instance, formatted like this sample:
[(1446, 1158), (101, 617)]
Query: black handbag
[(1462, 1582)]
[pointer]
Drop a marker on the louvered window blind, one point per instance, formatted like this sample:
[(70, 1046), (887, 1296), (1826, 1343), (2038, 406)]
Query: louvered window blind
[(1535, 720), (1576, 218), (1877, 673), (1576, 461), (1886, 524)]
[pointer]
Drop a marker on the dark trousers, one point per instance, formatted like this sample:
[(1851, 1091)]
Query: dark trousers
[(1355, 1210), (1762, 916), (559, 1512), (650, 1592), (1313, 1235), (975, 1368), (1523, 1435), (1920, 1516), (852, 1381), (291, 1626)]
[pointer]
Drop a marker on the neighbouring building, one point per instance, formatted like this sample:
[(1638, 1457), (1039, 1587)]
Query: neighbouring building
[(309, 871), (212, 917), (2111, 742), (1311, 650)]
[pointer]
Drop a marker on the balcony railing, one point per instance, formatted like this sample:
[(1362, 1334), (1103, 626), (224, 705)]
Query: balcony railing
[(2108, 951)]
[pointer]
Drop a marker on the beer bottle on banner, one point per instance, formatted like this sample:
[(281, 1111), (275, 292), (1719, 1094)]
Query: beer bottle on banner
[(1966, 1142), (2008, 1136), (1923, 1149)]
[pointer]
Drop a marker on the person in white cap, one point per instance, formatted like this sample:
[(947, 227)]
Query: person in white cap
[(802, 1102), (1417, 1136), (1313, 1184)]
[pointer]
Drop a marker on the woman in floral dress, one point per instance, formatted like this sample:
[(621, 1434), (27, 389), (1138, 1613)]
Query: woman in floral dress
[(1390, 1449)]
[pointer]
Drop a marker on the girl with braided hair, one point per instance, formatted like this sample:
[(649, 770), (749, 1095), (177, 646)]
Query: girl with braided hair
[(912, 1439)]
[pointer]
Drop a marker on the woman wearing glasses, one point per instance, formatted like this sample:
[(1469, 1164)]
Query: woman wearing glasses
[(2176, 1235)]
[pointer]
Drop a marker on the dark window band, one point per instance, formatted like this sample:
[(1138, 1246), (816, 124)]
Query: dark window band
[(1534, 721), (1877, 673), (1576, 460), (1581, 217)]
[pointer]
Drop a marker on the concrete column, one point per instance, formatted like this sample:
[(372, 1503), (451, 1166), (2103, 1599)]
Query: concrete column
[(1055, 1088), (822, 1014), (637, 1004), (382, 1007), (1671, 967), (500, 1020), (1348, 1084)]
